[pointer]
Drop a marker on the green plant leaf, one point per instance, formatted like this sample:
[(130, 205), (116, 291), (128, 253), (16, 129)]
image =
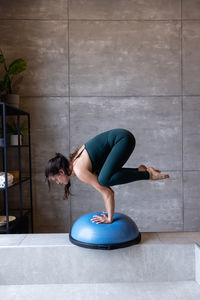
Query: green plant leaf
[(17, 66), (6, 81), (11, 128), (2, 59), (2, 86)]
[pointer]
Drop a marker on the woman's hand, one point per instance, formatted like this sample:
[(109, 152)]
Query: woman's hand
[(99, 219)]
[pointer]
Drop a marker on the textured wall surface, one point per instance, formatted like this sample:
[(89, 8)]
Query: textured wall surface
[(94, 65)]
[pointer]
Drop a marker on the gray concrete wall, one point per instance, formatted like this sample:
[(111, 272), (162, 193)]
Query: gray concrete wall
[(94, 65)]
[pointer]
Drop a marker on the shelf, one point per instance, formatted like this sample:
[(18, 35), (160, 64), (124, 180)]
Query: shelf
[(19, 225), (17, 209), (10, 146), (12, 211), (11, 111), (15, 182)]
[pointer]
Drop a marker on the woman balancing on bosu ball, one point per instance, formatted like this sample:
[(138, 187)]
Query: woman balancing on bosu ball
[(99, 162)]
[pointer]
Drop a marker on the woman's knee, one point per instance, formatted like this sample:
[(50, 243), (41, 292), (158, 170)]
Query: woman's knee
[(103, 180), (131, 141)]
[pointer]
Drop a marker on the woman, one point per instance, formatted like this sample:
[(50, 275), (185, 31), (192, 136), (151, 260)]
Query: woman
[(99, 163)]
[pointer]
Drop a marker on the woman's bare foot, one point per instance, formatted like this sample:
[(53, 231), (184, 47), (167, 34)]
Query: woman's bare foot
[(144, 168), (154, 175)]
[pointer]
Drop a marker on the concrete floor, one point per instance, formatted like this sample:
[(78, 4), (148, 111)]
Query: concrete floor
[(148, 251), (60, 239), (184, 290), (171, 237)]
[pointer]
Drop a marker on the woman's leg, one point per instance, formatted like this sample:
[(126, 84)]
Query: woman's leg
[(112, 173)]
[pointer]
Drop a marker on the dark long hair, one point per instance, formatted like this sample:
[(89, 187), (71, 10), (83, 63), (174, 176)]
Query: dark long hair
[(52, 168)]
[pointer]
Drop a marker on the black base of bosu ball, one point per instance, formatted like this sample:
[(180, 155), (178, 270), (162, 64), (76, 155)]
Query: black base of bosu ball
[(122, 232)]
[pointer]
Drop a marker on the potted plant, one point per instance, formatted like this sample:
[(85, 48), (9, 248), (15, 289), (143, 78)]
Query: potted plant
[(6, 85), (12, 131)]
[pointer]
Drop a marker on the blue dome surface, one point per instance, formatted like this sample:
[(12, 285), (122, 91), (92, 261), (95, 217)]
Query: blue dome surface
[(122, 232)]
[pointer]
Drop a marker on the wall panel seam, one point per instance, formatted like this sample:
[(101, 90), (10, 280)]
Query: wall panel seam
[(183, 209), (69, 108)]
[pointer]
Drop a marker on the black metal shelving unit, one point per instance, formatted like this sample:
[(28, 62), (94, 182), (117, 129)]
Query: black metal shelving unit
[(24, 216)]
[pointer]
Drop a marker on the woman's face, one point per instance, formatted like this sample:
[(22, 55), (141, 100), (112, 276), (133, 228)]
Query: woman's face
[(60, 178)]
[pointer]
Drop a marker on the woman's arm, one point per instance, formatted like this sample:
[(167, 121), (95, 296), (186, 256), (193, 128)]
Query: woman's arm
[(106, 192)]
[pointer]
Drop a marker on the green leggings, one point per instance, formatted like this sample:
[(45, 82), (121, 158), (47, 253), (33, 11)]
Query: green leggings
[(121, 144)]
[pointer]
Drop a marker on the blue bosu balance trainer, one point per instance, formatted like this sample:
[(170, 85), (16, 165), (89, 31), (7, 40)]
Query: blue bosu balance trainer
[(122, 232)]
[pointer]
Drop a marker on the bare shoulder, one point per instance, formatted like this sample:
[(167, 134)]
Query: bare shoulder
[(83, 163)]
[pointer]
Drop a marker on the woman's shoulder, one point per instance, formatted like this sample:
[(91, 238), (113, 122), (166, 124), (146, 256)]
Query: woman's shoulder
[(83, 161)]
